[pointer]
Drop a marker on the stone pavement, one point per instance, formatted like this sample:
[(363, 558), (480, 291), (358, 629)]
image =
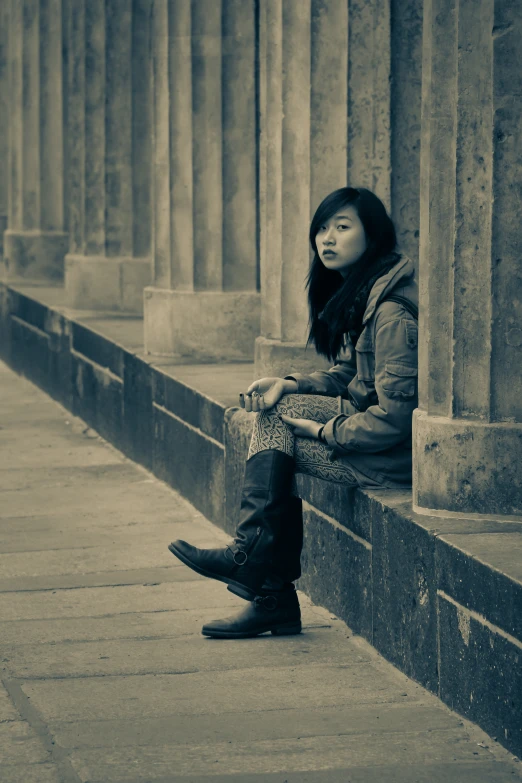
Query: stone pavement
[(107, 679)]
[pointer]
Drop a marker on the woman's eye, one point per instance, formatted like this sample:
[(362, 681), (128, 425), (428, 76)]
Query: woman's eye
[(343, 225)]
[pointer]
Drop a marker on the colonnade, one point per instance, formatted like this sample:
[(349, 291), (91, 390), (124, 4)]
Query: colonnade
[(164, 157)]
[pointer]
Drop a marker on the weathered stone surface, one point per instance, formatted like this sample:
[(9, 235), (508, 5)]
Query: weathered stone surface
[(405, 110), (480, 672), (269, 756), (337, 570), (187, 403), (35, 254), (98, 398), (189, 461), (206, 692), (483, 573), (7, 709), (137, 410), (404, 596), (238, 433), (487, 480), (469, 254), (354, 719), (18, 743), (176, 654), (106, 283), (206, 325), (30, 773), (276, 358)]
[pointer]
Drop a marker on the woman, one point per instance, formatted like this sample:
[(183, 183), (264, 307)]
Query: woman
[(350, 424)]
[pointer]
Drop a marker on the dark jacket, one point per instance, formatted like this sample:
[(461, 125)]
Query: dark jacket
[(376, 384)]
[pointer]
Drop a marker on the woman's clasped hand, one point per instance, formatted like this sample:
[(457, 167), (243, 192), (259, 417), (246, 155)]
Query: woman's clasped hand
[(265, 393)]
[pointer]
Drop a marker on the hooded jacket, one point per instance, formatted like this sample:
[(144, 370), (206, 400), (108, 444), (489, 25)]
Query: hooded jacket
[(376, 384)]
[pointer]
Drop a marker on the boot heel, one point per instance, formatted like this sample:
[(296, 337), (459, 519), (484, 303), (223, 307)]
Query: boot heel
[(287, 629), (242, 592)]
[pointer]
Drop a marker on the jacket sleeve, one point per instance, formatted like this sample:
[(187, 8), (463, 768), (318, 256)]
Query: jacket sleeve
[(332, 382), (386, 424)]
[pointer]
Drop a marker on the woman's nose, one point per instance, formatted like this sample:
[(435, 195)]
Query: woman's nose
[(328, 239)]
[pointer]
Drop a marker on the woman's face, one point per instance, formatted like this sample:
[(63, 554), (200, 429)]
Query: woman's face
[(341, 241)]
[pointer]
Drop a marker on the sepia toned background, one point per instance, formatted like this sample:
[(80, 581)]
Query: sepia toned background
[(160, 161)]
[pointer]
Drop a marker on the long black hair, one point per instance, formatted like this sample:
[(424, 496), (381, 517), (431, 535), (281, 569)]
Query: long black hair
[(340, 300)]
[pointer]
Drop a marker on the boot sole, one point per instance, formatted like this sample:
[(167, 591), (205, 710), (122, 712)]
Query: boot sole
[(235, 587), (288, 629)]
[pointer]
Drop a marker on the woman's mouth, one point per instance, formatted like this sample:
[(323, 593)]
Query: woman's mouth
[(329, 254)]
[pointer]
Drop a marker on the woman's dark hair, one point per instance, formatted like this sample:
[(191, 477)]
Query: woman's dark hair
[(327, 285)]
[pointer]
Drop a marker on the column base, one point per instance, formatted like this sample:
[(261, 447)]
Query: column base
[(466, 466), (277, 358), (35, 254), (202, 325), (110, 284)]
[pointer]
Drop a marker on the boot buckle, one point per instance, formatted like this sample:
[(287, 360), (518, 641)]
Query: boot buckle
[(240, 562), (269, 602)]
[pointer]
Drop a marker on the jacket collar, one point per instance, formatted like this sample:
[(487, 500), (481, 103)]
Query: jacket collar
[(401, 275)]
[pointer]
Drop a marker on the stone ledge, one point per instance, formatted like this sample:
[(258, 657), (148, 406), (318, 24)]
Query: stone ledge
[(439, 597)]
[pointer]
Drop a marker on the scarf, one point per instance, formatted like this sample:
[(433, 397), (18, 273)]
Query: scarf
[(344, 311)]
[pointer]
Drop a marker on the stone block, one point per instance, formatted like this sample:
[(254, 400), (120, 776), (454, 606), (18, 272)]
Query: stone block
[(29, 351), (35, 254), (187, 403), (137, 410), (404, 595), (98, 348), (337, 570), (98, 398), (480, 672), (344, 504), (202, 325), (479, 571), (276, 358), (483, 479), (190, 462), (101, 283), (238, 432)]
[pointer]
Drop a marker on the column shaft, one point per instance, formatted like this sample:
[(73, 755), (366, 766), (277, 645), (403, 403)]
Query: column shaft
[(179, 53), (207, 144), (204, 303), (108, 266), (35, 242), (467, 430), (240, 240), (324, 123)]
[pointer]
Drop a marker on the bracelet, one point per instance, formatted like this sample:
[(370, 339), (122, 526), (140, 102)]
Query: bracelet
[(320, 435)]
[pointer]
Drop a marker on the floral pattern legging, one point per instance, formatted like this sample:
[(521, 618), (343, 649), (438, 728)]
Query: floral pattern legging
[(311, 456)]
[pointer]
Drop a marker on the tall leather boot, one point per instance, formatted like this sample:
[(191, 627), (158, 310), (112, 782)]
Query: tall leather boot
[(267, 515)]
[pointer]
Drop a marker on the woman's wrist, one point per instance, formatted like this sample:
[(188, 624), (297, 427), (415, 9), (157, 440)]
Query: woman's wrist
[(290, 385), (320, 435)]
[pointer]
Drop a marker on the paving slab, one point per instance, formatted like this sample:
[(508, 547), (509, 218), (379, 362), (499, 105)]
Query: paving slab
[(105, 674)]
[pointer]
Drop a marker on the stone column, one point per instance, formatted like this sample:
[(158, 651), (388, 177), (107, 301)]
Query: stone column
[(204, 302), (109, 110), (468, 427), (35, 242), (324, 89)]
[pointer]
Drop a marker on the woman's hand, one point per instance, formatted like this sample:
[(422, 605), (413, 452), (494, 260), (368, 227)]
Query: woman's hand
[(302, 428), (265, 393)]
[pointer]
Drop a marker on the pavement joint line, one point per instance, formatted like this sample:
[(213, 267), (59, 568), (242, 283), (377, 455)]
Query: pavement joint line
[(127, 675), (57, 755)]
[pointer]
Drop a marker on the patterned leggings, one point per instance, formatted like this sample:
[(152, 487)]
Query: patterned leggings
[(311, 456)]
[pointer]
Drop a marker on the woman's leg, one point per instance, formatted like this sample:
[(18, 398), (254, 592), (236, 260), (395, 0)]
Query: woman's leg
[(311, 457)]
